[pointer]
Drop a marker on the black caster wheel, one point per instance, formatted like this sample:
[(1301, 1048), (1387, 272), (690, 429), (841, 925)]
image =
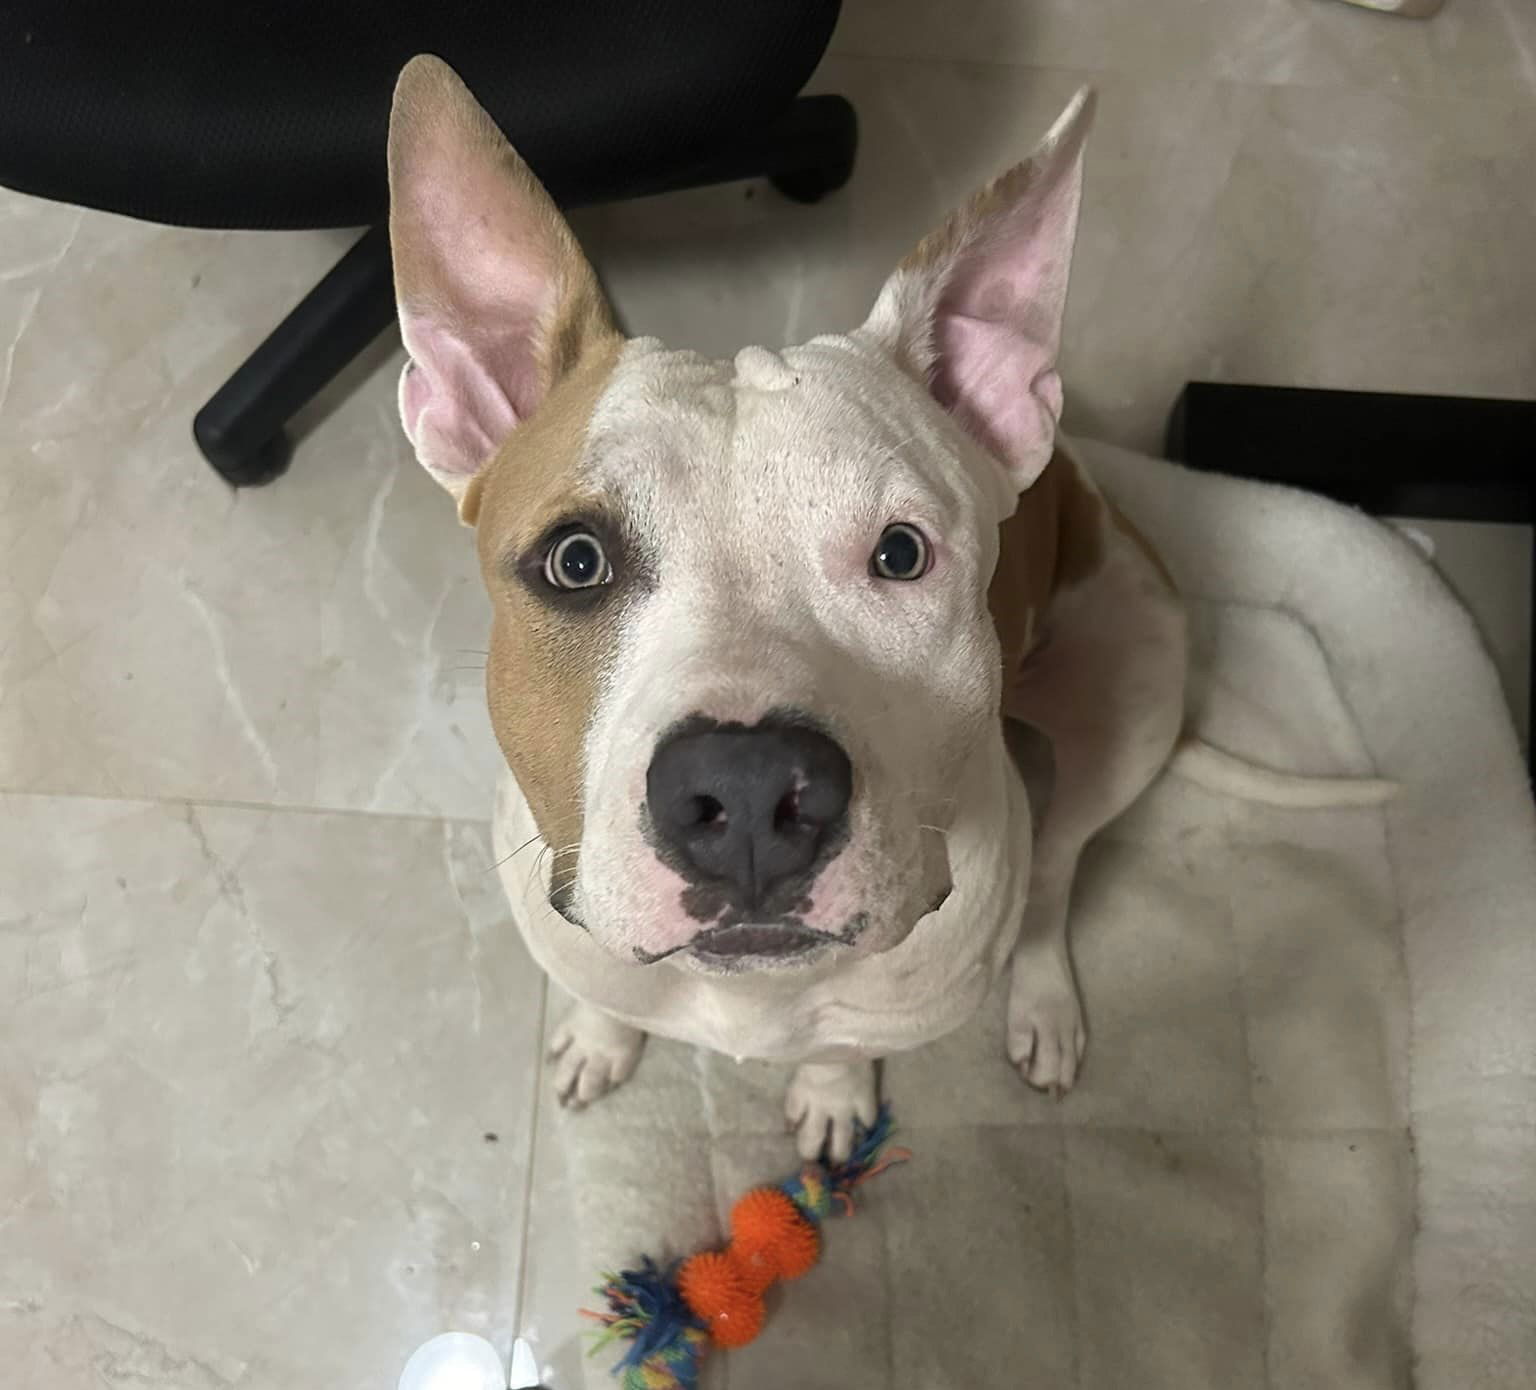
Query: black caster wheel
[(826, 136), (250, 468)]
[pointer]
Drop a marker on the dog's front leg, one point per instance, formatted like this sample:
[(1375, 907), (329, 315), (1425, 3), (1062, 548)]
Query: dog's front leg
[(1046, 1035), (826, 1101), (1107, 692), (592, 1053)]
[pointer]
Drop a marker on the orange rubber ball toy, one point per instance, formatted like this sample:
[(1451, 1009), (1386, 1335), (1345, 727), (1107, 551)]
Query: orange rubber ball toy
[(771, 1239), (715, 1289)]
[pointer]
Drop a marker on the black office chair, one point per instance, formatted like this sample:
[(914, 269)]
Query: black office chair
[(266, 115)]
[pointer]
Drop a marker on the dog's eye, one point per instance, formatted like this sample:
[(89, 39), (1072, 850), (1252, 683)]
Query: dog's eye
[(902, 553), (577, 561)]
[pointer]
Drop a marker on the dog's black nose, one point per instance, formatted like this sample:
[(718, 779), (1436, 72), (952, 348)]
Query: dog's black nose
[(748, 808)]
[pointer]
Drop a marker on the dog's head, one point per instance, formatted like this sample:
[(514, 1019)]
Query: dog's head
[(741, 651)]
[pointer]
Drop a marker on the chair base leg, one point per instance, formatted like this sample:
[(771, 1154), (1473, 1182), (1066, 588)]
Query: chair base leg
[(240, 431)]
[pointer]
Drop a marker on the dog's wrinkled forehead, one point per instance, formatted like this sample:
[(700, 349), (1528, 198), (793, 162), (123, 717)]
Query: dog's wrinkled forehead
[(777, 451)]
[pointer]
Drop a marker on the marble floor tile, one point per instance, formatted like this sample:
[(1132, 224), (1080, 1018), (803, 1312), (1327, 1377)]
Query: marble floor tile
[(1472, 46), (265, 1086), (309, 644), (1489, 566)]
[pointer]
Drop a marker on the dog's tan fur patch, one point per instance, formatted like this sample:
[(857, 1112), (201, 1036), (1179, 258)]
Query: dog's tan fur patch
[(1054, 538), (544, 662)]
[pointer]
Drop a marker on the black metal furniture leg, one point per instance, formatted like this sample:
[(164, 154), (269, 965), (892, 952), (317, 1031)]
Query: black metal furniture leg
[(807, 153), (241, 429)]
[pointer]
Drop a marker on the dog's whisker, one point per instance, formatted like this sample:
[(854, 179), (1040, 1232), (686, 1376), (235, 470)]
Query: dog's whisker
[(506, 858), (533, 872)]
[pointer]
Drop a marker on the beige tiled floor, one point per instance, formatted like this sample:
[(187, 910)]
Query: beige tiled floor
[(262, 1005)]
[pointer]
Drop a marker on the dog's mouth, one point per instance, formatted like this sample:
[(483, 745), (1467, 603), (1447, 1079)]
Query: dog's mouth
[(736, 943)]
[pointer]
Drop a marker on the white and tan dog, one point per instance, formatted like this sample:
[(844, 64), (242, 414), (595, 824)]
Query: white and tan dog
[(760, 626)]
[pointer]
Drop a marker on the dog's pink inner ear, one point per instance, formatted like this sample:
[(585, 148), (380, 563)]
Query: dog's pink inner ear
[(457, 403), (1003, 390), (981, 302), (997, 335)]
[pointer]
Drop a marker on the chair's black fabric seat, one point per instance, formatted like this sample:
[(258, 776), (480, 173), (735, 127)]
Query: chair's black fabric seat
[(250, 113)]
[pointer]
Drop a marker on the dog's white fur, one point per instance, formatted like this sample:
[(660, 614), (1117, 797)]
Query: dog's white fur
[(755, 489)]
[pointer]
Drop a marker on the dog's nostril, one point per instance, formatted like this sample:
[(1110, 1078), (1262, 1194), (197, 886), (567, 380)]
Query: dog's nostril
[(705, 812), (786, 815)]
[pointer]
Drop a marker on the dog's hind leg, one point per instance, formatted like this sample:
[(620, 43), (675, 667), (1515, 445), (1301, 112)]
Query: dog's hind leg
[(1106, 689), (593, 1053)]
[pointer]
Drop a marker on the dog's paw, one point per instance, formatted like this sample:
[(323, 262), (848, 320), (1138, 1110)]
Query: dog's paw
[(824, 1103), (592, 1054), (1046, 1034)]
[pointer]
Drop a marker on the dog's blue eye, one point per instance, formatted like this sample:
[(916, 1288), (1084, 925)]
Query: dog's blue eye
[(577, 561), (902, 553)]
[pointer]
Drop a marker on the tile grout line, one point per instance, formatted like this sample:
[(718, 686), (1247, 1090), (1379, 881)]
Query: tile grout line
[(1074, 1279), (236, 804), (520, 1288)]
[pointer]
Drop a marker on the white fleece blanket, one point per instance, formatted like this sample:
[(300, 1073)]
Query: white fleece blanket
[(1303, 1152)]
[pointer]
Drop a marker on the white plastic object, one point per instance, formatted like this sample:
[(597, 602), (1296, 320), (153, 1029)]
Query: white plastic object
[(454, 1361), (525, 1366), (1411, 9)]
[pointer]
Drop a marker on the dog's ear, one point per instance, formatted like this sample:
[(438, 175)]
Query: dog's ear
[(976, 310), (496, 300)]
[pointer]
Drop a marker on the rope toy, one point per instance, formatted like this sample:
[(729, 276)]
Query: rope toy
[(671, 1316)]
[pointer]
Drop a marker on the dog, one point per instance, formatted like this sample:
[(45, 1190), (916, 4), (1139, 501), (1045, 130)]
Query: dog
[(765, 630)]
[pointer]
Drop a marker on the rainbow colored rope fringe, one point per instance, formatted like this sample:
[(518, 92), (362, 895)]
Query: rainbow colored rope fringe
[(671, 1316)]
